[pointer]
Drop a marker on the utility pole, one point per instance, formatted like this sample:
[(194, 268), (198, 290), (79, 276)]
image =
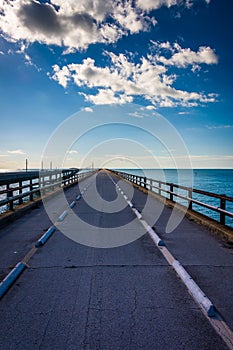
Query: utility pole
[(26, 165)]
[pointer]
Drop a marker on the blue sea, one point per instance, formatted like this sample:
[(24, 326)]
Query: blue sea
[(219, 181)]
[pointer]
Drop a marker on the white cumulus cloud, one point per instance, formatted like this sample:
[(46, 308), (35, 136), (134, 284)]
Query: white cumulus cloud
[(88, 109), (122, 79), (149, 5), (150, 107), (183, 57), (188, 57), (107, 97), (75, 24), (72, 151), (16, 151), (71, 24)]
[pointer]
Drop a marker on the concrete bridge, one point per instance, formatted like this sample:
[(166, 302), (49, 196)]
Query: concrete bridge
[(159, 291)]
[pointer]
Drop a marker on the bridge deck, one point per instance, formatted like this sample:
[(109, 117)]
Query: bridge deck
[(128, 297)]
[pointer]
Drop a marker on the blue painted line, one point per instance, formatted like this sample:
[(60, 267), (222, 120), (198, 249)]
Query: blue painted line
[(62, 216), (45, 237), (72, 204), (11, 277), (78, 197)]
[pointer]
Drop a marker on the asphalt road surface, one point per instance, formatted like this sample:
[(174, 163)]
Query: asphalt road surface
[(74, 296)]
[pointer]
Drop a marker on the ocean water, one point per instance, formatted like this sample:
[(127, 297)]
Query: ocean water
[(219, 181)]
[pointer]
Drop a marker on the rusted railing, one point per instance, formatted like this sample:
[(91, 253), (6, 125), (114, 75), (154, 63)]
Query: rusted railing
[(171, 192)]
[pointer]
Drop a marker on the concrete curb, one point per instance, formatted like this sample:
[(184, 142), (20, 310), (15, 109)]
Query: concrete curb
[(45, 237), (72, 204), (157, 240), (11, 277), (62, 216), (201, 299), (136, 212), (130, 204), (194, 290)]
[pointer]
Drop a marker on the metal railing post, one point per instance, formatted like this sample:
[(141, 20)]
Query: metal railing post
[(190, 194), (222, 215), (159, 190), (10, 195), (31, 188), (171, 194), (56, 179), (20, 192), (144, 183), (42, 191)]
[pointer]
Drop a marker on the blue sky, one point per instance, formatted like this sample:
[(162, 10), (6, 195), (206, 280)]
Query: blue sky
[(172, 57)]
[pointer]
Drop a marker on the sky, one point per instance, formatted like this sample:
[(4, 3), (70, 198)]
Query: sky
[(143, 59)]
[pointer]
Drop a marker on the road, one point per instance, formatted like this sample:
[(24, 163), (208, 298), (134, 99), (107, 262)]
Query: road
[(74, 296)]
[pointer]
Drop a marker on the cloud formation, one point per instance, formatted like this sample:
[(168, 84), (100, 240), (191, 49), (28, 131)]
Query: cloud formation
[(74, 25), (183, 58), (149, 5), (72, 151), (122, 79), (77, 24), (17, 151), (88, 109)]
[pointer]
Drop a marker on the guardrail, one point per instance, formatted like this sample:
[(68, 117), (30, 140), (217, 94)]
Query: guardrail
[(21, 187), (171, 192)]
